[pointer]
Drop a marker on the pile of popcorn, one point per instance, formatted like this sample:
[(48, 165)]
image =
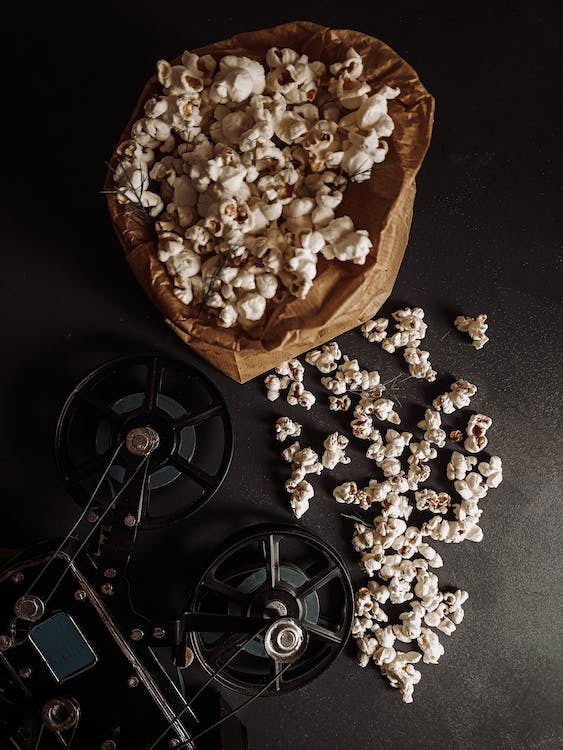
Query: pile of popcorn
[(244, 165), (399, 558)]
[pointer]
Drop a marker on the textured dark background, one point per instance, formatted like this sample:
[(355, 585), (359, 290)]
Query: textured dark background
[(484, 239)]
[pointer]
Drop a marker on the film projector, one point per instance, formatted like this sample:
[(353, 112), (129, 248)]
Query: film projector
[(141, 443)]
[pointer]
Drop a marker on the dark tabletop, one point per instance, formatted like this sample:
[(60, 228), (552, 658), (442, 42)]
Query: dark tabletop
[(485, 238)]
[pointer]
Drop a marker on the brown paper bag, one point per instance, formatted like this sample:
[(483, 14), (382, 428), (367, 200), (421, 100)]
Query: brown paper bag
[(343, 294)]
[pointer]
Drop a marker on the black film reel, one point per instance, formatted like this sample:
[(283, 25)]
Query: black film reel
[(146, 398)]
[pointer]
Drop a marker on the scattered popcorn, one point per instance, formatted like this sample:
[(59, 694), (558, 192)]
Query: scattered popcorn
[(274, 386), (339, 403), (476, 428), (286, 427), (297, 395), (460, 395), (475, 327), (334, 454), (431, 424), (402, 601), (459, 465), (325, 359), (419, 364), (491, 470), (375, 330)]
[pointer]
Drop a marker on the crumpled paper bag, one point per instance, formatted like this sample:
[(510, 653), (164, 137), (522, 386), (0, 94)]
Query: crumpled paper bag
[(344, 295)]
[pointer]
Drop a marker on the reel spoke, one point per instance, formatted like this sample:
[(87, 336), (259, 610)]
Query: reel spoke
[(316, 583), (225, 590), (154, 382), (101, 408), (192, 420), (324, 633), (187, 467), (272, 557), (226, 646)]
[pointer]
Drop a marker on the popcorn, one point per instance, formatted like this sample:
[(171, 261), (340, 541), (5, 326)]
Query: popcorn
[(421, 452), (475, 327), (303, 460), (430, 500), (300, 493), (375, 330), (381, 408), (431, 424), (401, 673), (274, 386), (459, 465), (325, 359), (362, 428), (399, 559), (246, 161), (286, 427), (460, 394), (411, 329), (390, 466), (335, 446), (472, 487), (417, 473), (399, 592), (350, 494), (491, 470), (419, 364), (297, 395), (339, 403), (430, 645), (293, 369), (476, 428)]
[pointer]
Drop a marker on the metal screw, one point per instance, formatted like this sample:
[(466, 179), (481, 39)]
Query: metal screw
[(80, 595), (173, 743), (133, 681), (92, 516), (137, 634), (130, 521), (110, 573), (5, 642), (107, 589), (18, 577), (159, 633), (25, 672), (29, 608)]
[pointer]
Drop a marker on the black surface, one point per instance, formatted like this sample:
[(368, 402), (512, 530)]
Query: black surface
[(485, 238)]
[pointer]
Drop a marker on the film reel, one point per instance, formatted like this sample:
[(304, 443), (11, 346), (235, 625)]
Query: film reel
[(298, 582), (151, 405)]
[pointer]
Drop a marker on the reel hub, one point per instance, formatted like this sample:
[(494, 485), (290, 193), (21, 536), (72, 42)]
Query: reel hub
[(285, 640)]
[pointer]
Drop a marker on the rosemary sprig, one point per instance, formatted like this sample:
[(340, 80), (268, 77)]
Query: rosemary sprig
[(138, 208), (357, 519)]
